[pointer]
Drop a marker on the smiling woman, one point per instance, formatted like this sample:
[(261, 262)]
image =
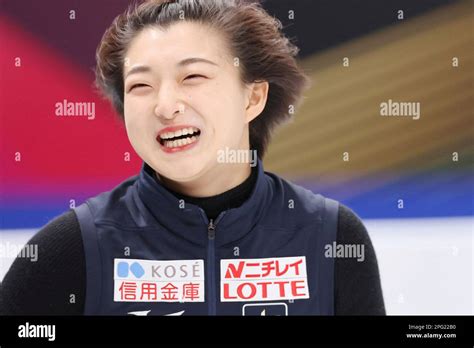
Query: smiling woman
[(193, 79), (179, 91), (189, 65)]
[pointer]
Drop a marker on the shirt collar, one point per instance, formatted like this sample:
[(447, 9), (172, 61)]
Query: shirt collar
[(190, 221)]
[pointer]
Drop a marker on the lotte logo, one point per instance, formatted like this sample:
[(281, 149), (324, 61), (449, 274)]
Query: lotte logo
[(267, 279)]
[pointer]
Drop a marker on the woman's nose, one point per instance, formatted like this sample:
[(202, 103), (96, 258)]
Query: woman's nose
[(168, 106)]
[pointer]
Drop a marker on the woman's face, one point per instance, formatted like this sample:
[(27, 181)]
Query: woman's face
[(183, 100)]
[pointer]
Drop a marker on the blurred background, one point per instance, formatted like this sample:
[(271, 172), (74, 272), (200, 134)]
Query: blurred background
[(410, 181)]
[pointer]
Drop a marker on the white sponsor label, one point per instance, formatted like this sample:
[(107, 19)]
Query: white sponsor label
[(138, 280), (276, 278)]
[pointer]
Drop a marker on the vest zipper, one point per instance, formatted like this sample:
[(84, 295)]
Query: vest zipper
[(211, 263), (211, 235), (211, 230)]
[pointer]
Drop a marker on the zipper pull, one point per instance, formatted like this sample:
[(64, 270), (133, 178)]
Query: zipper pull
[(211, 230)]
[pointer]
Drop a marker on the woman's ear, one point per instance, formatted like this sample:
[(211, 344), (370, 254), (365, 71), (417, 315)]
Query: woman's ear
[(256, 100)]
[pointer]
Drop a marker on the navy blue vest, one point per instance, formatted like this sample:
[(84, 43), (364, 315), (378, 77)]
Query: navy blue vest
[(148, 253)]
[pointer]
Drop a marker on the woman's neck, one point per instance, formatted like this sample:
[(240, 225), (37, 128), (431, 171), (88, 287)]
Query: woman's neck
[(216, 204), (220, 179)]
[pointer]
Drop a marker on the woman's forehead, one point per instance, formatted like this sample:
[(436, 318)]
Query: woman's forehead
[(177, 43)]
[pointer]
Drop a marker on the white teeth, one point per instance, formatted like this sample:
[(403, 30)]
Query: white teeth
[(184, 131), (180, 142)]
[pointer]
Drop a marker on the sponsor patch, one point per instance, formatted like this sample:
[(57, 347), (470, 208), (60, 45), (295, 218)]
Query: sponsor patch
[(276, 278), (158, 281)]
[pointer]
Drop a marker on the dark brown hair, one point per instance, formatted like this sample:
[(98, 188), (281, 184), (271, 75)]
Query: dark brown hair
[(254, 36)]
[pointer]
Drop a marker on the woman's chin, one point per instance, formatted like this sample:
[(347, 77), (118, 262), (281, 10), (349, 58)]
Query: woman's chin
[(183, 173)]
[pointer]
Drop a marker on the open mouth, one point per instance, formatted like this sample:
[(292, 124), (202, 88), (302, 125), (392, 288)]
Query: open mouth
[(179, 138)]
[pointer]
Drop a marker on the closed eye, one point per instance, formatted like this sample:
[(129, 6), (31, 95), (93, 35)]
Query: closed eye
[(138, 85), (193, 76)]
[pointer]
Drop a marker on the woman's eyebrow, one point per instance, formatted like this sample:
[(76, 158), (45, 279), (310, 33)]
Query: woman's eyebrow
[(145, 68), (138, 69), (193, 60)]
